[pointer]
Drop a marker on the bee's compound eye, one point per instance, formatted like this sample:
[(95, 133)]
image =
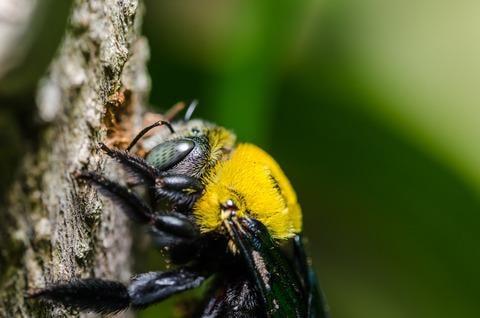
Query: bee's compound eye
[(169, 153)]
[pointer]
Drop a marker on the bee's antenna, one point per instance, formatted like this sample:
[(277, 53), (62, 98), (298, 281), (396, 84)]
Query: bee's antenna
[(191, 109), (147, 129)]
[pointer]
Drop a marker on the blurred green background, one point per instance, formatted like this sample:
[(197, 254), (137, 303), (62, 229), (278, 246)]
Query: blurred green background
[(373, 110)]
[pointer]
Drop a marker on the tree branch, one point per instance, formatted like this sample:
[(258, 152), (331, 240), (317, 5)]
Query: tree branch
[(55, 228)]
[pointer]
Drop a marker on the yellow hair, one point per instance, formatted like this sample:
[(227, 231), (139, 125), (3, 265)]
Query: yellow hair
[(221, 141), (257, 186)]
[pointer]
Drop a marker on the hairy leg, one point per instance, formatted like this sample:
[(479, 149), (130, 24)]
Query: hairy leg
[(102, 296), (134, 164), (173, 225)]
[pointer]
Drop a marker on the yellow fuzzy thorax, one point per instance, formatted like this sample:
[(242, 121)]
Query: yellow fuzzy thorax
[(257, 186), (221, 141)]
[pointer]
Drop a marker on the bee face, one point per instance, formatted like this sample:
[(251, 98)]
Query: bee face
[(241, 181), (228, 209)]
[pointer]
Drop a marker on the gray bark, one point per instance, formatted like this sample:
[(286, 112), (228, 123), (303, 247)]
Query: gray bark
[(55, 228)]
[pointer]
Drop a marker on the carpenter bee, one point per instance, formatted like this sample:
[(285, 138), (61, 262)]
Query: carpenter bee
[(222, 210)]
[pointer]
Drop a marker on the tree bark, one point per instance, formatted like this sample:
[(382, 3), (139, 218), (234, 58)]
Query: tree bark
[(55, 228)]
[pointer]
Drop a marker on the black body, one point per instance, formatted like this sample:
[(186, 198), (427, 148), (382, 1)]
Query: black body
[(259, 280)]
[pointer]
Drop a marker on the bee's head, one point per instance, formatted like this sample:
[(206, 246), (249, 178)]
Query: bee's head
[(219, 205), (228, 209), (219, 209)]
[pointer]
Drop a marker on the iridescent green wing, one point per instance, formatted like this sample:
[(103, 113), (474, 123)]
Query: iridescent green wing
[(275, 278)]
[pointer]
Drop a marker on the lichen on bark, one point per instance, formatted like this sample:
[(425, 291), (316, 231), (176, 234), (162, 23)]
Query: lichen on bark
[(54, 228)]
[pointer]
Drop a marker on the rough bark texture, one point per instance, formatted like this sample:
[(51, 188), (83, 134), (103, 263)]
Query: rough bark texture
[(55, 228)]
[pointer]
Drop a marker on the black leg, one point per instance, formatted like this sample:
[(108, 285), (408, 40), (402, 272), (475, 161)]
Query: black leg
[(182, 190), (177, 232), (136, 165), (100, 296), (173, 226), (129, 201), (153, 287), (178, 189), (105, 297)]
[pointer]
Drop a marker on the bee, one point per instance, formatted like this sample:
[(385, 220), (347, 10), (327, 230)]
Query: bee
[(222, 210)]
